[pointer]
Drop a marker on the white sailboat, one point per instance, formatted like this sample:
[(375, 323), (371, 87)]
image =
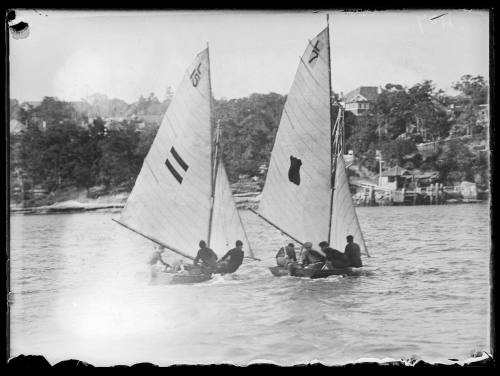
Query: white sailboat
[(182, 193), (306, 194)]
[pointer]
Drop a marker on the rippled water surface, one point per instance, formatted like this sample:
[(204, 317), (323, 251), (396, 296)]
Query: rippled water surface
[(76, 293)]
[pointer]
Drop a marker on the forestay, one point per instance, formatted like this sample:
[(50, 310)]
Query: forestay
[(297, 192), (344, 218), (226, 223), (171, 197)]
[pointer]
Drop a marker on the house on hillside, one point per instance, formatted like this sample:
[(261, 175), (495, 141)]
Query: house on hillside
[(34, 104), (361, 99), (147, 121), (16, 126), (484, 114)]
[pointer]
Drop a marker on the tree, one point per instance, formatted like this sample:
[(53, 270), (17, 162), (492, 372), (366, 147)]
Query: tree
[(393, 111), (395, 151), (54, 111), (363, 132), (473, 94), (249, 126), (120, 164), (473, 88), (455, 163), (428, 109)]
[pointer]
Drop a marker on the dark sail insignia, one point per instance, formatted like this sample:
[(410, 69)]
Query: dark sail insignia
[(179, 161), (195, 76), (315, 52), (174, 172), (178, 158), (294, 170)]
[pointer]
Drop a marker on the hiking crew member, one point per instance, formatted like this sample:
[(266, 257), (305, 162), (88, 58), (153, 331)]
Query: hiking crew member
[(232, 260), (156, 257), (309, 256), (207, 256), (353, 253), (336, 258), (286, 255)]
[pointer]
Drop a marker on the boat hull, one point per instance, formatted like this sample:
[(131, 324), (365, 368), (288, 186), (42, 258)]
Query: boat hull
[(313, 273), (164, 278), (279, 271)]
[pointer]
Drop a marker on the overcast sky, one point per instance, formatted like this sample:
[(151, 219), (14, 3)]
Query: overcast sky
[(71, 55)]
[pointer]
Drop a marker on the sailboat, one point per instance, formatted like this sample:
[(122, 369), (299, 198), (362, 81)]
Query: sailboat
[(182, 193), (306, 194)]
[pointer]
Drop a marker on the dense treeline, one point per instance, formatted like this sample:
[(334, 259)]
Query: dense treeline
[(248, 127), (66, 145)]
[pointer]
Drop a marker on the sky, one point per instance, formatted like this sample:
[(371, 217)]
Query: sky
[(125, 54)]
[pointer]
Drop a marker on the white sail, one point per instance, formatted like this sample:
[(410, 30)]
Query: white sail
[(226, 223), (344, 218), (171, 197), (302, 208)]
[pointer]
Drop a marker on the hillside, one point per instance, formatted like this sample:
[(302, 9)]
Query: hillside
[(58, 145)]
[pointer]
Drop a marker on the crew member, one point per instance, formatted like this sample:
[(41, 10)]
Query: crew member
[(353, 253), (232, 260), (310, 256), (286, 255), (207, 256), (335, 258), (156, 258)]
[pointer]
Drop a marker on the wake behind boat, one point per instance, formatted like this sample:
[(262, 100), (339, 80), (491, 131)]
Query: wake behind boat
[(306, 194), (182, 193)]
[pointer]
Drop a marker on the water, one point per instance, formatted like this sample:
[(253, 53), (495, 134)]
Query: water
[(425, 293)]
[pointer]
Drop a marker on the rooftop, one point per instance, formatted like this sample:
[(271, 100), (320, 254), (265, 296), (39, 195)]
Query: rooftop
[(396, 171), (370, 93)]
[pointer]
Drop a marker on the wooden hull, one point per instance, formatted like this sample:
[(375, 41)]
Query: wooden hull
[(164, 278), (279, 271), (313, 273)]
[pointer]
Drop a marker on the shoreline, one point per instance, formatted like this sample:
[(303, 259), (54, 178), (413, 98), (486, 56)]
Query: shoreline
[(244, 201)]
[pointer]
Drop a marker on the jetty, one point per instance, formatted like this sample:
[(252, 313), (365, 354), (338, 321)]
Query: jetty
[(399, 186)]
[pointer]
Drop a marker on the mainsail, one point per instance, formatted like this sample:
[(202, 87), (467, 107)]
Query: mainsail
[(296, 194), (298, 197), (172, 201)]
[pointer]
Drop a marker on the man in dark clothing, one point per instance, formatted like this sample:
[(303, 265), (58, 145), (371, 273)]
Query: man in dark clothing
[(232, 260), (353, 252), (286, 255), (335, 257), (310, 256), (207, 256)]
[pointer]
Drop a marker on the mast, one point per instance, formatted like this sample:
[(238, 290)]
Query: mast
[(212, 154), (332, 167)]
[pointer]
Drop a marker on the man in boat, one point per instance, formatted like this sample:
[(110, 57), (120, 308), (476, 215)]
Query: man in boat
[(156, 260), (334, 258), (208, 258), (286, 255), (353, 252), (232, 260), (310, 256)]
